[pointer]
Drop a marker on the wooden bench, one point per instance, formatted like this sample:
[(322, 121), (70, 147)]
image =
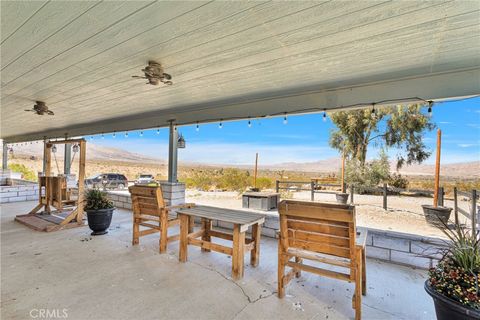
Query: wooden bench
[(324, 233), (241, 220), (150, 212)]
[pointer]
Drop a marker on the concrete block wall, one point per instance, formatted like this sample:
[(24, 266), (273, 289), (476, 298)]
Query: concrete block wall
[(16, 193)]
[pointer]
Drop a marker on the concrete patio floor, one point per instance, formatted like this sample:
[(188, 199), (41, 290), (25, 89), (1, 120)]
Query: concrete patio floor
[(106, 278)]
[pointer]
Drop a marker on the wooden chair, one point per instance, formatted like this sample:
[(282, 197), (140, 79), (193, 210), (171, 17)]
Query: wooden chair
[(150, 211), (324, 233)]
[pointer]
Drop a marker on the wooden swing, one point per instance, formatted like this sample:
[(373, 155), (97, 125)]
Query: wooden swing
[(53, 191)]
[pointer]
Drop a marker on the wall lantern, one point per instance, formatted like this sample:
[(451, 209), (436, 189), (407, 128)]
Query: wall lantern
[(181, 142)]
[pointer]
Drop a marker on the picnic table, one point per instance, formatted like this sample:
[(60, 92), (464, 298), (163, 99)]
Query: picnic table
[(241, 220)]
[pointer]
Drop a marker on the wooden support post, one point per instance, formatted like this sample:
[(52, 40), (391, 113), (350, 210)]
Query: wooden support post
[(255, 171), (385, 196), (441, 193), (343, 172), (206, 227), (437, 168), (81, 180), (277, 186), (255, 253), (455, 205), (351, 194), (473, 211), (5, 156), (312, 192), (183, 250), (238, 252)]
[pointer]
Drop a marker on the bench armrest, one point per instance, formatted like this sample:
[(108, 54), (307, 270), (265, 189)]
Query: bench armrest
[(361, 237), (180, 206)]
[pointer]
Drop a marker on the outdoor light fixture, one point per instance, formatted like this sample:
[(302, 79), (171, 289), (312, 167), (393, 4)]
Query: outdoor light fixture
[(114, 134), (374, 112), (75, 148), (181, 142), (324, 115), (54, 148), (126, 134), (430, 113), (141, 133), (91, 137), (220, 125), (285, 121), (249, 123), (197, 128), (158, 131), (103, 136), (10, 150)]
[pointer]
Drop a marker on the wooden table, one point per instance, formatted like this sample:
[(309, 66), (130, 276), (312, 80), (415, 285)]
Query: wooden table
[(261, 200), (241, 220)]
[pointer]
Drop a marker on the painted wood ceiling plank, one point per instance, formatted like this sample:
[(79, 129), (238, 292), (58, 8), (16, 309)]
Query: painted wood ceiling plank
[(233, 55), (118, 106), (67, 41), (209, 33), (52, 17), (128, 29), (277, 65), (14, 14)]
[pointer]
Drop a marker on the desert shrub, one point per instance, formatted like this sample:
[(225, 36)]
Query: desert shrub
[(26, 172), (264, 183), (369, 175), (234, 179), (200, 180), (398, 181)]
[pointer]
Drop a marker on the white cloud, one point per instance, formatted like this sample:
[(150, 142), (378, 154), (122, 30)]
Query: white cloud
[(466, 145)]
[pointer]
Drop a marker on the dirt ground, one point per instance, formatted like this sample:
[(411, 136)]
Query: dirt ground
[(404, 213)]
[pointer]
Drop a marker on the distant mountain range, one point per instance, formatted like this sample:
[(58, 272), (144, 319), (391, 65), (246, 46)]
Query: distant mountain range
[(96, 152)]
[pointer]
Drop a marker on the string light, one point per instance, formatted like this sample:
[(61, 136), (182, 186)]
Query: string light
[(220, 125), (197, 128), (430, 113), (126, 134), (158, 131), (91, 137), (374, 112), (103, 136), (114, 134), (285, 121), (324, 115), (249, 123), (141, 133)]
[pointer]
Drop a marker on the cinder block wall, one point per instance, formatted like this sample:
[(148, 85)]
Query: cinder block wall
[(395, 247), (20, 191)]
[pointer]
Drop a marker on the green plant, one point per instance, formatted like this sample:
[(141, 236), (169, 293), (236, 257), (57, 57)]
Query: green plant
[(368, 175), (96, 200), (27, 174), (456, 276), (398, 181)]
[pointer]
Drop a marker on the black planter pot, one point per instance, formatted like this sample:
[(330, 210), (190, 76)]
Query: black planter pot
[(99, 220), (342, 198), (436, 215), (448, 309)]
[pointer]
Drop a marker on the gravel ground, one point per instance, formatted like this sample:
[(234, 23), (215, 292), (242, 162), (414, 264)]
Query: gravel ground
[(404, 213)]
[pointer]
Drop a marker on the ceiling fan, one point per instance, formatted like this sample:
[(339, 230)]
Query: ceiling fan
[(154, 74), (41, 109)]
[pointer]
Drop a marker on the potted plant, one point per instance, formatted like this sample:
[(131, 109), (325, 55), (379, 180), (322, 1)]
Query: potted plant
[(454, 282), (99, 211)]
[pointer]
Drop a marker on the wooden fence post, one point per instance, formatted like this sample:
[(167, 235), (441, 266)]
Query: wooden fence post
[(385, 196), (351, 194), (441, 194), (312, 195), (277, 186), (455, 205), (473, 211)]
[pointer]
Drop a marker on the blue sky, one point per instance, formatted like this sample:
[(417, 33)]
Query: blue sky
[(303, 139)]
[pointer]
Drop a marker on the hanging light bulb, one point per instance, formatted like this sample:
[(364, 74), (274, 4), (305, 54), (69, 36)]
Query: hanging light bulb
[(197, 128), (324, 115), (103, 136), (91, 137), (114, 134), (54, 149), (75, 147), (141, 133), (126, 134), (430, 112), (220, 125), (158, 131), (285, 121), (249, 123), (374, 112)]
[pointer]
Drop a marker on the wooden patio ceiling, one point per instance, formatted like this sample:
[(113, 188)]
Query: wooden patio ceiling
[(228, 59)]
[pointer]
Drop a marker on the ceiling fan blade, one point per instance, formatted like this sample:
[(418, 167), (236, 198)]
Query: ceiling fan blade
[(30, 110), (50, 113), (139, 77)]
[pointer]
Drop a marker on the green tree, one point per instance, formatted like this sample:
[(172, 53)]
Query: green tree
[(27, 173), (401, 127)]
